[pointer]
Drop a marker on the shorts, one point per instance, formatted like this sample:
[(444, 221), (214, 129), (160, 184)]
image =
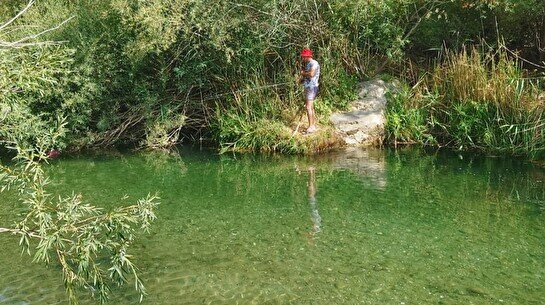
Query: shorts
[(311, 93)]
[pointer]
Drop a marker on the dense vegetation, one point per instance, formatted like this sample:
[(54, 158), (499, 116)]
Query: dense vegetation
[(157, 72), (79, 74), (472, 100)]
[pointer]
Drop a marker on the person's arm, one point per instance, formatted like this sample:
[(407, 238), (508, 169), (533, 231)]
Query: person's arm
[(310, 73)]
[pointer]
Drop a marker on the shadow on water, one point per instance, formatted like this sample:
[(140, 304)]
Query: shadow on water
[(355, 226)]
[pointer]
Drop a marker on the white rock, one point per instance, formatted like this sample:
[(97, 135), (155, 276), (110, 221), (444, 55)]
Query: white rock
[(364, 123)]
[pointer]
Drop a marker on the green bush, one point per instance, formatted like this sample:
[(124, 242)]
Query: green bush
[(123, 63), (407, 122), (471, 100)]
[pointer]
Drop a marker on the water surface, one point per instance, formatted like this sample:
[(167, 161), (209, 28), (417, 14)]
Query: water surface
[(353, 227)]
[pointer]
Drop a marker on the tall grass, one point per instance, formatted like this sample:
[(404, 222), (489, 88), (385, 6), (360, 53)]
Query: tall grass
[(472, 100), (269, 118)]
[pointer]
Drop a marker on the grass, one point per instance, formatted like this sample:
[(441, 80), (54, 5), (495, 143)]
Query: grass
[(266, 118), (274, 136), (472, 100)]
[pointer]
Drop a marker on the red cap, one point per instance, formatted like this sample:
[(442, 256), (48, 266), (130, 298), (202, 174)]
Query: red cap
[(306, 52)]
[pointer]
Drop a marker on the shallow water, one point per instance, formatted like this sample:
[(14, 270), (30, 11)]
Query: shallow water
[(353, 227)]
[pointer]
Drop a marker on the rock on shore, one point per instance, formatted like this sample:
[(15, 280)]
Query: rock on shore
[(363, 124)]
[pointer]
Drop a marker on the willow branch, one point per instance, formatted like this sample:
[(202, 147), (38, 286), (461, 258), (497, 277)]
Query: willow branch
[(4, 230), (30, 234), (17, 231)]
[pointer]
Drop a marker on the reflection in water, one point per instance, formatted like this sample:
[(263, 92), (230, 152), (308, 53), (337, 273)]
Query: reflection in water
[(161, 161), (368, 164), (315, 216)]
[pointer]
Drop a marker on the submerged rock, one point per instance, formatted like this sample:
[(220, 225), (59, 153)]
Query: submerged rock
[(368, 164), (363, 124)]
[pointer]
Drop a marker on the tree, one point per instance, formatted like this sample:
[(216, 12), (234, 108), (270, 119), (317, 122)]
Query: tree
[(66, 231)]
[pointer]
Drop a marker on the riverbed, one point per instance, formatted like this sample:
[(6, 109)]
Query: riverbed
[(351, 227)]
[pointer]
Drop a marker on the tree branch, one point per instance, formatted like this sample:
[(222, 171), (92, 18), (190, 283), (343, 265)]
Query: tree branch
[(17, 231), (21, 42), (4, 44), (30, 3), (4, 230), (31, 234)]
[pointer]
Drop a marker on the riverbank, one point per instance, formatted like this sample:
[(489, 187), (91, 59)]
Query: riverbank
[(144, 75), (472, 100)]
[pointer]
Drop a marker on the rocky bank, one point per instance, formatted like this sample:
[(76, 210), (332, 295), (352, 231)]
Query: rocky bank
[(363, 124)]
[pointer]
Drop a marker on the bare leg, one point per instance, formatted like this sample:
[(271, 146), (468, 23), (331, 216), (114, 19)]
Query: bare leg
[(311, 115)]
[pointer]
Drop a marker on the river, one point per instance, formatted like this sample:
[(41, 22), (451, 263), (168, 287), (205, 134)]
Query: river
[(350, 227)]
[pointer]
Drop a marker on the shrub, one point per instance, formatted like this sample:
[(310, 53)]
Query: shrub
[(472, 100)]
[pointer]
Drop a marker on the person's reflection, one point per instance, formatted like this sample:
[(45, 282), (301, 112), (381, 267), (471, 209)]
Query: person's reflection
[(314, 215)]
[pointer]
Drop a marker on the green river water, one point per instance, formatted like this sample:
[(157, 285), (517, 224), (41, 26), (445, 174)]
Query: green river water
[(352, 227)]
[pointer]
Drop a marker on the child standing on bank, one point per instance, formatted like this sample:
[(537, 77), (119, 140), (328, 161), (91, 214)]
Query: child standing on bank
[(310, 76)]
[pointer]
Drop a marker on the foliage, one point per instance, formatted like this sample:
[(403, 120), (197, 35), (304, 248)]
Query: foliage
[(136, 60), (42, 99), (519, 23), (77, 236), (156, 72), (472, 100), (406, 121)]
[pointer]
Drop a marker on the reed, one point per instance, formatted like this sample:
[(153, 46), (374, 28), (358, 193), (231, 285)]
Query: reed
[(271, 118), (472, 100)]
